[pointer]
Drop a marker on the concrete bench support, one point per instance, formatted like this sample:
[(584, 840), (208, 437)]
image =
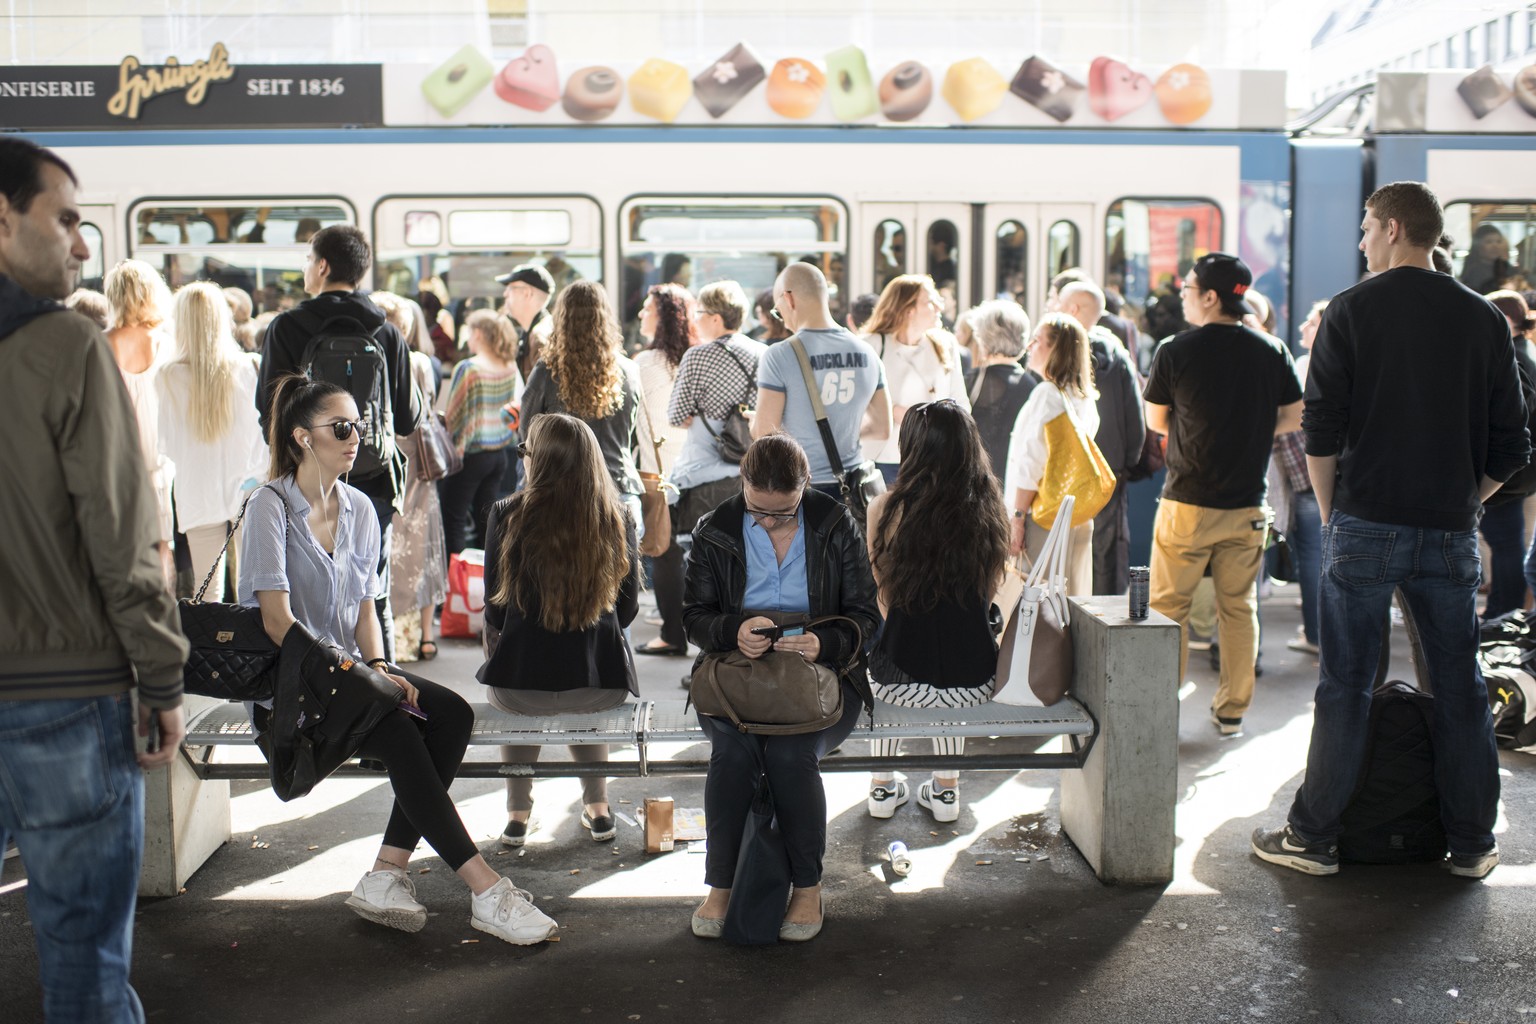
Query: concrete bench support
[(185, 819), (1119, 808)]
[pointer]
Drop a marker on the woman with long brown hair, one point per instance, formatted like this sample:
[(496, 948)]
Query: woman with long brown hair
[(561, 573), (936, 648), (922, 360)]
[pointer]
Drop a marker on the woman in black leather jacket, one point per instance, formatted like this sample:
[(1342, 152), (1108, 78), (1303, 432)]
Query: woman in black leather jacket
[(783, 548)]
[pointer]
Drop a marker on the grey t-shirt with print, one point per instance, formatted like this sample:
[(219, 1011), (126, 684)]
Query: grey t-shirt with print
[(847, 372)]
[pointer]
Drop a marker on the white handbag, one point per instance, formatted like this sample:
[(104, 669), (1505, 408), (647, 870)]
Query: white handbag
[(1034, 658)]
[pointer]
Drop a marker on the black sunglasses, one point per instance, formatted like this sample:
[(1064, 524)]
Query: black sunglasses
[(522, 450), (341, 429)]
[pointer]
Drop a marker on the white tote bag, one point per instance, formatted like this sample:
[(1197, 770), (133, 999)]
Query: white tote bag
[(1034, 659)]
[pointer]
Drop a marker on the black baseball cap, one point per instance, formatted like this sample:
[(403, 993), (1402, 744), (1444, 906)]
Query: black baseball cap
[(1227, 276), (530, 274)]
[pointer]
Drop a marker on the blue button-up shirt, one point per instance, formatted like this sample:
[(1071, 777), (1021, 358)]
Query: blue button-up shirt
[(774, 586)]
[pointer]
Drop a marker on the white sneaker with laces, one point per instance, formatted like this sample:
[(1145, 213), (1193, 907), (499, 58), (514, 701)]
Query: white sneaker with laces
[(388, 898), (885, 797), (508, 913), (943, 804)]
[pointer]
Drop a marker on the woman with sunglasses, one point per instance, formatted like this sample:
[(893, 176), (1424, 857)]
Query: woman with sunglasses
[(310, 548), (562, 573), (936, 648), (780, 550)]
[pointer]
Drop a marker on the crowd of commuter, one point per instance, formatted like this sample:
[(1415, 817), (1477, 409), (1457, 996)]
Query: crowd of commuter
[(847, 498)]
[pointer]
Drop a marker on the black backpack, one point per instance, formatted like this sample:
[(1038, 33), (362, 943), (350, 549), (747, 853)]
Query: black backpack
[(343, 352), (1394, 816)]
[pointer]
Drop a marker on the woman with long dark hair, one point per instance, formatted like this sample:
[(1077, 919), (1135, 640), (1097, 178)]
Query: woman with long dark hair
[(311, 551), (561, 573), (936, 648)]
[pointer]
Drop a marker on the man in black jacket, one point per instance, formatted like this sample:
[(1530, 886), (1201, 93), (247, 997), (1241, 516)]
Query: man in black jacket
[(339, 257), (1414, 418)]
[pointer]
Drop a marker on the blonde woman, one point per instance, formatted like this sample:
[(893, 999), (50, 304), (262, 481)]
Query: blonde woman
[(562, 570), (140, 339), (482, 387), (582, 373), (922, 360), (1059, 355), (207, 427)]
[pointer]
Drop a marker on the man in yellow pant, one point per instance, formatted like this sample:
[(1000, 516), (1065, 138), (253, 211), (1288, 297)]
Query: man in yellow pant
[(1220, 392)]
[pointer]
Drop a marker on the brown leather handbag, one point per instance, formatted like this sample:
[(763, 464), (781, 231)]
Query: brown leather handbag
[(779, 694), (654, 510)]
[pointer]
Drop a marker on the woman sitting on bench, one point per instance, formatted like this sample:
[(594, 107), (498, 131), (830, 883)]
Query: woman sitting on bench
[(562, 576), (309, 548), (938, 540), (778, 547)]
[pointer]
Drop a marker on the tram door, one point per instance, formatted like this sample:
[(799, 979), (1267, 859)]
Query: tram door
[(1023, 245), (918, 238), (98, 225)]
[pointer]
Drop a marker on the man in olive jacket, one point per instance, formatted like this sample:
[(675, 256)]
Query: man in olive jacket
[(85, 616)]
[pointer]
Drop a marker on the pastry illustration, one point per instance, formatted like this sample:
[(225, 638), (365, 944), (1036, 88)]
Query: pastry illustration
[(1114, 90), (795, 87), (721, 86), (1525, 89), (1483, 91), (851, 89), (905, 91), (974, 88), (660, 89), (457, 80), (530, 80), (1047, 88), (1184, 93), (592, 93)]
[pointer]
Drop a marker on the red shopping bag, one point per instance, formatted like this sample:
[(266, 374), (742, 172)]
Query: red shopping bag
[(464, 611)]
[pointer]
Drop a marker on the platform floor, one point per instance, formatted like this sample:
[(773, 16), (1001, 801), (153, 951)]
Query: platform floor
[(1000, 920)]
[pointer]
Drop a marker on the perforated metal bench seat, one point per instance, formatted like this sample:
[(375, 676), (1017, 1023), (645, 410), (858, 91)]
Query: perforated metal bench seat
[(645, 724)]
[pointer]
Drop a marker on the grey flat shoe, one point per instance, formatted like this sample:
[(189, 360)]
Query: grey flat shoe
[(708, 927), (791, 932)]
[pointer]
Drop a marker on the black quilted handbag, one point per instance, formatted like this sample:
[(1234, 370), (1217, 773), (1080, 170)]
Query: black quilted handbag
[(231, 656)]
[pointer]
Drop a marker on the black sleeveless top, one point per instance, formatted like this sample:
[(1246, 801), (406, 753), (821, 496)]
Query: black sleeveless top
[(950, 647)]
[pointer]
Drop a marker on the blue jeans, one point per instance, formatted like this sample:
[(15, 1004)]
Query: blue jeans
[(1503, 527), (72, 796), (1437, 571), (1307, 547)]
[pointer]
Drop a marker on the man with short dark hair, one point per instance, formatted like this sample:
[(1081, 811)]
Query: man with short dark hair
[(1407, 436), (339, 258), (861, 310), (85, 619)]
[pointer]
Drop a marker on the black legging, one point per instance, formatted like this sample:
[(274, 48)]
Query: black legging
[(423, 758), (467, 497), (667, 578)]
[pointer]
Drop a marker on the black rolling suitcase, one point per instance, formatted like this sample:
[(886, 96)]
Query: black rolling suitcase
[(1394, 816)]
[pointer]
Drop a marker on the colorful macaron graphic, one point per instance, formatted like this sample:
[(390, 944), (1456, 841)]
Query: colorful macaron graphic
[(849, 85), (1483, 91), (456, 81), (592, 93), (1114, 90), (1047, 88), (905, 91), (1525, 89), (1184, 93), (531, 80), (974, 88), (795, 87), (724, 83), (660, 89)]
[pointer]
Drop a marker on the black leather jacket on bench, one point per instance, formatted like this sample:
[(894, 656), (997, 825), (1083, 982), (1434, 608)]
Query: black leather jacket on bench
[(837, 577)]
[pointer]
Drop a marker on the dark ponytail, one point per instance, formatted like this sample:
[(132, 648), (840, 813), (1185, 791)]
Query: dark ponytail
[(296, 401)]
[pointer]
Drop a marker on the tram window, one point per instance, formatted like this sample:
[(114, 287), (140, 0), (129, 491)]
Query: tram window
[(1150, 245), (943, 253), (423, 227), (93, 270), (697, 241), (1062, 242), (469, 277), (250, 245), (890, 253), (1495, 244), (496, 228), (1012, 262)]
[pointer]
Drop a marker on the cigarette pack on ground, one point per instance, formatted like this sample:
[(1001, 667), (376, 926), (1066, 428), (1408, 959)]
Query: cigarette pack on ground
[(688, 825), (658, 824)]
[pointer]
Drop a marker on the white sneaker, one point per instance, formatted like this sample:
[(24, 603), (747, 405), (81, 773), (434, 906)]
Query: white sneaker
[(388, 898), (943, 804), (885, 797), (508, 913)]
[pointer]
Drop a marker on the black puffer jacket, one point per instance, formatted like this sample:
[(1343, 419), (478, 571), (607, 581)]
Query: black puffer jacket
[(837, 576)]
